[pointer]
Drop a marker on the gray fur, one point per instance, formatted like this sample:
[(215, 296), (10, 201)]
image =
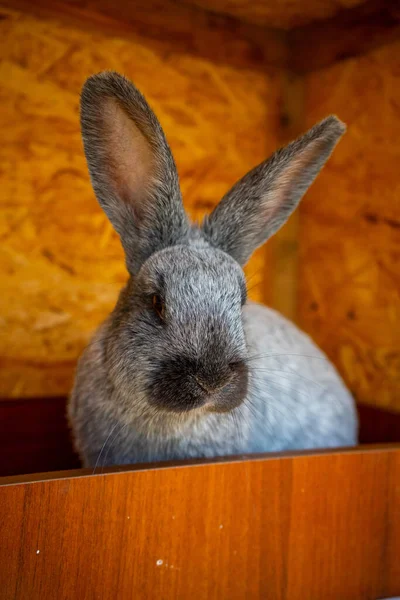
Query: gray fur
[(213, 374), (149, 225)]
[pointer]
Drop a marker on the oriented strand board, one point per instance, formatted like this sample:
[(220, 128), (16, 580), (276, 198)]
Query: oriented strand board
[(349, 33), (349, 296), (172, 26), (61, 264), (283, 14)]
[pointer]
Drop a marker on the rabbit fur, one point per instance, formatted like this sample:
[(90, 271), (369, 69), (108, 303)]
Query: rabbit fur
[(185, 366)]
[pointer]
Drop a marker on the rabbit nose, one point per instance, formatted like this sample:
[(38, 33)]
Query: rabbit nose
[(213, 386), (214, 380)]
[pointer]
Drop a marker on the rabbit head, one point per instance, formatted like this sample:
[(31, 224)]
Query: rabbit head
[(175, 342)]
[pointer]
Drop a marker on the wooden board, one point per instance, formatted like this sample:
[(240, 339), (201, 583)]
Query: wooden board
[(284, 244), (245, 34), (320, 526), (61, 264), (349, 33), (173, 27), (274, 14), (349, 273), (283, 14)]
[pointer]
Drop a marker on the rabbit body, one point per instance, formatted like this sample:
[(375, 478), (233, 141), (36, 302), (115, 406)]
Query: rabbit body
[(296, 400), (185, 366)]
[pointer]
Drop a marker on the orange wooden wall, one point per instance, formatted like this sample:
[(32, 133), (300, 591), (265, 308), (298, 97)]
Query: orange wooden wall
[(283, 14), (349, 264), (61, 264)]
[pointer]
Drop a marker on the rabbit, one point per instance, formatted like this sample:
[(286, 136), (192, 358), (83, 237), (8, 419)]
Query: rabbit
[(185, 366)]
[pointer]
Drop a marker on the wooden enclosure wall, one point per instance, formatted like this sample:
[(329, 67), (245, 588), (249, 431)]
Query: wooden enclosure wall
[(349, 264), (288, 528), (61, 264), (283, 14)]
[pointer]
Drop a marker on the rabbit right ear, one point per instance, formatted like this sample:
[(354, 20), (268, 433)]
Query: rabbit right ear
[(260, 203), (131, 167)]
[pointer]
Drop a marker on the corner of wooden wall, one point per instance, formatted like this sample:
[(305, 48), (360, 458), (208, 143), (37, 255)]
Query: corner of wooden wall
[(284, 245)]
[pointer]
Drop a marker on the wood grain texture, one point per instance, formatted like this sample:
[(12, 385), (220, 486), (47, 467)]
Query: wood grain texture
[(247, 35), (61, 264), (349, 278), (284, 244), (349, 33), (173, 27), (228, 14), (278, 528), (282, 14)]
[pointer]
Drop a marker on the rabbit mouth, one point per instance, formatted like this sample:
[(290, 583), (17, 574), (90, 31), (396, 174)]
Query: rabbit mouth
[(229, 393), (180, 387)]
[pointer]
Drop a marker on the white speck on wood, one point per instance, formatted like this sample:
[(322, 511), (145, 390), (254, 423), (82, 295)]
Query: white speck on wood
[(221, 526), (159, 562), (37, 551)]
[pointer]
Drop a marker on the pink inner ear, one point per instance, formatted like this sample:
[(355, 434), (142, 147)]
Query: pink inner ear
[(290, 177), (127, 155)]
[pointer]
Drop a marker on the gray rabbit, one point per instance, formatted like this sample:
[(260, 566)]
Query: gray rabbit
[(185, 366)]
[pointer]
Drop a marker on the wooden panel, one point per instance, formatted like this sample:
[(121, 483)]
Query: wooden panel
[(61, 264), (283, 14), (173, 27), (279, 528), (349, 288), (254, 37), (349, 33), (274, 14), (284, 244), (35, 438)]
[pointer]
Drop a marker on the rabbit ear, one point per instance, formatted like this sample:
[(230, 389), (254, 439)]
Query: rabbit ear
[(131, 167), (258, 204)]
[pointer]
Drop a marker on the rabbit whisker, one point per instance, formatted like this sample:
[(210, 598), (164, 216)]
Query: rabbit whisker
[(274, 355), (111, 445), (262, 370), (103, 446)]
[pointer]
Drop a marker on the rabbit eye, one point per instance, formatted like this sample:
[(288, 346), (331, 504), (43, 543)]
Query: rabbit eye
[(159, 306)]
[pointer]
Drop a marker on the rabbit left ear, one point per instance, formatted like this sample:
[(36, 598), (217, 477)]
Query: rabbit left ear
[(131, 167), (260, 203)]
